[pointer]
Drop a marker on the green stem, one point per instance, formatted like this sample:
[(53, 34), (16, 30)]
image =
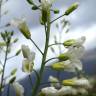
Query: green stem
[(36, 73), (30, 80), (55, 44), (50, 59), (57, 18), (8, 90), (44, 55), (49, 83), (36, 46), (0, 9), (2, 78), (11, 57)]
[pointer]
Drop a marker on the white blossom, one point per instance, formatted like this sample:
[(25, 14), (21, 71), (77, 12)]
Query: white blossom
[(74, 54), (18, 89), (46, 3), (83, 82), (73, 65), (82, 91), (65, 90), (80, 41), (49, 91), (17, 22), (80, 82), (22, 26), (54, 81), (28, 62)]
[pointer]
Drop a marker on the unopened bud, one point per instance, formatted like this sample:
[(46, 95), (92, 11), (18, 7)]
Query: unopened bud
[(71, 8)]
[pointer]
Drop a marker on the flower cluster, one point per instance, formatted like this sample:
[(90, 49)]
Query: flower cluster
[(72, 86), (70, 61)]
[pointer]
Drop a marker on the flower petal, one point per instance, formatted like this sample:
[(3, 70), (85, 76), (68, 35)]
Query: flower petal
[(27, 66), (18, 89), (49, 91)]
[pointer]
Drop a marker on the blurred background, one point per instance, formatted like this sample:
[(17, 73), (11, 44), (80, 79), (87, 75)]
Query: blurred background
[(82, 23)]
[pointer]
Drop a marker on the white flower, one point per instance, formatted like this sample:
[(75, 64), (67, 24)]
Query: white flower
[(22, 26), (82, 91), (73, 65), (75, 42), (65, 90), (27, 66), (76, 52), (73, 55), (18, 89), (81, 82), (80, 41), (54, 81), (49, 91), (17, 22), (28, 62), (46, 3)]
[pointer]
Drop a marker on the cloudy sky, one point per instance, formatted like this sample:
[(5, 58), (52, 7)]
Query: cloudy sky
[(83, 23)]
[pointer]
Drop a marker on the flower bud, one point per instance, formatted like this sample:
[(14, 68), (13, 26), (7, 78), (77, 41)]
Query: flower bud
[(14, 71), (56, 11), (2, 44), (18, 52), (58, 66), (3, 36), (12, 79), (24, 30), (71, 8), (44, 15), (21, 24), (53, 79), (63, 57), (30, 2), (34, 7), (68, 82), (15, 40), (69, 42)]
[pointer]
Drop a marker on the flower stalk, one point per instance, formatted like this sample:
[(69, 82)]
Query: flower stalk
[(2, 78), (44, 55)]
